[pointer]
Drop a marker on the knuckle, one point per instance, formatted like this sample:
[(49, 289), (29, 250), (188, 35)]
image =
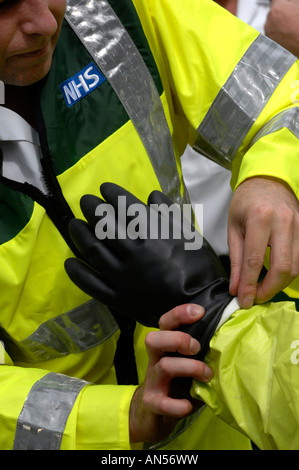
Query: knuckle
[(183, 341), (248, 291), (264, 212), (285, 268), (294, 274), (295, 271), (287, 217), (234, 263), (255, 261), (200, 370), (163, 405), (176, 314), (179, 312), (163, 366), (150, 339)]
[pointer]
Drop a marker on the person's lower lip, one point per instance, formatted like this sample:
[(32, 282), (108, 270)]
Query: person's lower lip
[(35, 54)]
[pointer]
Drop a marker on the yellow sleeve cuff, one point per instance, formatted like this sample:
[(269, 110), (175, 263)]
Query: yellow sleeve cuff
[(101, 417)]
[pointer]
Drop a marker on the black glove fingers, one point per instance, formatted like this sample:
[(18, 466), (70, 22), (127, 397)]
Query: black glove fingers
[(111, 222), (89, 281), (102, 218), (157, 197), (133, 216), (111, 193), (90, 206), (93, 251), (180, 222)]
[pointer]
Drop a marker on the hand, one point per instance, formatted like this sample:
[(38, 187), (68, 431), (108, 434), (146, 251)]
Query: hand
[(155, 272), (154, 411), (282, 24), (263, 212)]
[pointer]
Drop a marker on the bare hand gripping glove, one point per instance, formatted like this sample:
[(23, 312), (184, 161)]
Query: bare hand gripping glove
[(145, 277)]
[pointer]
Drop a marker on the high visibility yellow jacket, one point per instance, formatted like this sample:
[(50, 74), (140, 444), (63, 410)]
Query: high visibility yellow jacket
[(255, 358), (128, 88)]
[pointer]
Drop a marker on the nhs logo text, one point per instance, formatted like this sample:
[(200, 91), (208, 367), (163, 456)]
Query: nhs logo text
[(81, 84)]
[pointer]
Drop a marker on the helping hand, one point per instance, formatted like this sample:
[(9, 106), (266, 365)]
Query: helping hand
[(154, 410), (263, 212), (145, 277)]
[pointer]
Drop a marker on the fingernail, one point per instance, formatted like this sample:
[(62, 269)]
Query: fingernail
[(247, 302), (208, 374), (195, 311), (194, 346)]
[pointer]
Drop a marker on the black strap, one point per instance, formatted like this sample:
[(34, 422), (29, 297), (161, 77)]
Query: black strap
[(124, 359)]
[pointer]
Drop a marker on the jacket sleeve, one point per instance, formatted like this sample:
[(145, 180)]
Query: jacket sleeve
[(235, 86), (255, 358), (42, 410), (237, 89)]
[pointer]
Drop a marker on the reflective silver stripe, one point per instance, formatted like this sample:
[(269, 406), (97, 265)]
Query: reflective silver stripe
[(45, 412), (106, 39), (288, 119), (76, 331), (241, 100)]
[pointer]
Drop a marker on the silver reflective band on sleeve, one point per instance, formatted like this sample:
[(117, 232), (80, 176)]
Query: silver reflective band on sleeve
[(45, 412), (242, 99), (76, 331), (288, 119), (108, 42)]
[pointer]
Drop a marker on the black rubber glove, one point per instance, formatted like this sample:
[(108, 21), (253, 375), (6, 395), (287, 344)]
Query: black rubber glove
[(144, 278)]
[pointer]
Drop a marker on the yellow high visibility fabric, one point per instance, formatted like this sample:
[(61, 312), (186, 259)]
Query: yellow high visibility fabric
[(199, 52), (207, 65), (192, 45), (212, 434), (255, 358)]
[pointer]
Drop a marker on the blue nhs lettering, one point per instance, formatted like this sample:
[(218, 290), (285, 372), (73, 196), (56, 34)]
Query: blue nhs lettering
[(81, 84)]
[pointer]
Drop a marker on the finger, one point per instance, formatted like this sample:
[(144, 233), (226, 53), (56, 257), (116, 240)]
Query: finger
[(178, 367), (111, 193), (180, 218), (108, 227), (156, 397), (89, 205), (161, 404), (93, 251), (271, 285), (131, 212), (159, 343), (235, 243), (181, 315), (157, 197), (284, 262), (102, 217), (255, 246)]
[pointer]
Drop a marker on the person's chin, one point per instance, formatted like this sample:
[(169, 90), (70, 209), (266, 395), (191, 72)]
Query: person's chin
[(34, 75)]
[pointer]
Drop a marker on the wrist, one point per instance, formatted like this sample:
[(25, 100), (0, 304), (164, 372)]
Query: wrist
[(134, 416)]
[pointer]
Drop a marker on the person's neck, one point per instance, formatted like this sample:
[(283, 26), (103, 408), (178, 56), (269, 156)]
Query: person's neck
[(21, 100)]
